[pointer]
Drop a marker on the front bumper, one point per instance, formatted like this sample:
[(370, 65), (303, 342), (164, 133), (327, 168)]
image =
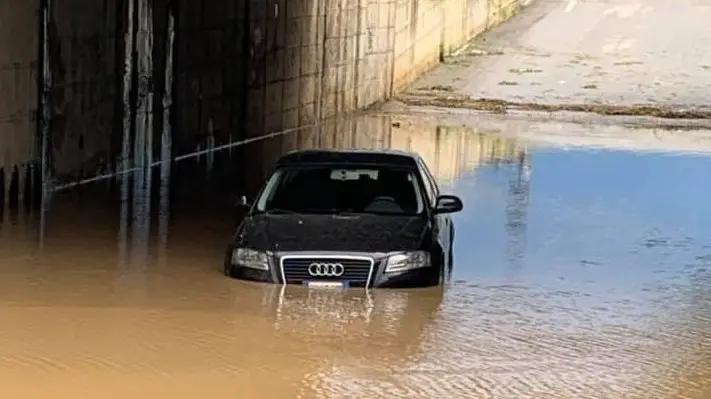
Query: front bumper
[(417, 278)]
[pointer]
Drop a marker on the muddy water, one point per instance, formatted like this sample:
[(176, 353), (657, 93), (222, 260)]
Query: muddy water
[(578, 274)]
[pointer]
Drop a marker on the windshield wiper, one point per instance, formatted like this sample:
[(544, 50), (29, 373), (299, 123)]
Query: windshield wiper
[(279, 211), (368, 213), (380, 213), (345, 213)]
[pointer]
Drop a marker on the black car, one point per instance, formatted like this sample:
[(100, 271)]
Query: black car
[(346, 218)]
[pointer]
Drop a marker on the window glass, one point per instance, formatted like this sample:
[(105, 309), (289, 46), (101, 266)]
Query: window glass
[(376, 190), (431, 190), (432, 180)]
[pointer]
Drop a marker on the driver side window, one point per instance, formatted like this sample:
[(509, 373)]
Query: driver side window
[(429, 188)]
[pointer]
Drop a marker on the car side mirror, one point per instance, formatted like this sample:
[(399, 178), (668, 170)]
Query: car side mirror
[(448, 204)]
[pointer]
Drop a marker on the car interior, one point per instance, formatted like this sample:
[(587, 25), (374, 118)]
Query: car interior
[(322, 190)]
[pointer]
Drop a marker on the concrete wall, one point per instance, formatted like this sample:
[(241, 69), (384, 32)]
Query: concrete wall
[(321, 58), (18, 88), (86, 71), (235, 69), (427, 30), (324, 58)]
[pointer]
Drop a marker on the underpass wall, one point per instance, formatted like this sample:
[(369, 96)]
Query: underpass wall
[(315, 59), (427, 30), (18, 93), (86, 71), (245, 68), (209, 70), (130, 78)]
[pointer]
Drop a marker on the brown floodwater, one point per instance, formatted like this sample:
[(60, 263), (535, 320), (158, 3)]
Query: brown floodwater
[(579, 274)]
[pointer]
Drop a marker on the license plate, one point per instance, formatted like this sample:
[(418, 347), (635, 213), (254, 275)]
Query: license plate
[(326, 284)]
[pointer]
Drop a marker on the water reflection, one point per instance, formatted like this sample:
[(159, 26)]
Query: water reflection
[(516, 211), (589, 283)]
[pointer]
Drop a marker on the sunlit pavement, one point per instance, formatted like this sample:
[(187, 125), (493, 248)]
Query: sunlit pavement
[(618, 52)]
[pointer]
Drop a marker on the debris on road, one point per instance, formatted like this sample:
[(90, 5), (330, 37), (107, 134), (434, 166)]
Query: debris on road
[(450, 100)]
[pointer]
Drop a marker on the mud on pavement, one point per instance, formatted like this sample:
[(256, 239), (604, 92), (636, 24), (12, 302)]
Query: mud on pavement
[(607, 58), (437, 98)]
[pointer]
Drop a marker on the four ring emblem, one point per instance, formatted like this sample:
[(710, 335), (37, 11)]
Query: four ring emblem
[(326, 269)]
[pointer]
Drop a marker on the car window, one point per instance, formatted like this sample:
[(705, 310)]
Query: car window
[(430, 177), (351, 189), (429, 185), (432, 180)]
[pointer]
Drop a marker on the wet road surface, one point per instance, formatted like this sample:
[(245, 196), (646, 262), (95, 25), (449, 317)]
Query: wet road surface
[(618, 52), (579, 273)]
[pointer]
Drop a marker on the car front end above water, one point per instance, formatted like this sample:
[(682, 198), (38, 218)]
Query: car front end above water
[(347, 224), (402, 269)]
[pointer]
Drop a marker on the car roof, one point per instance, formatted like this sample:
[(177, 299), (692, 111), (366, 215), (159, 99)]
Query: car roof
[(351, 156)]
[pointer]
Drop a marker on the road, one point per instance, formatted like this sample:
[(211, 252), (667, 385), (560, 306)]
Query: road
[(620, 53), (582, 257)]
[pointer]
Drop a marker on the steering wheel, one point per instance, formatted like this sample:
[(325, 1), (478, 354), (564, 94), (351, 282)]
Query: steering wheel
[(384, 199), (385, 204)]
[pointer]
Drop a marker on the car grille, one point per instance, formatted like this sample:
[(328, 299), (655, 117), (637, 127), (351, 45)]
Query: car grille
[(356, 271)]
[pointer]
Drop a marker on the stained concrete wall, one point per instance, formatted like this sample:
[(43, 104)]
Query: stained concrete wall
[(84, 49), (316, 59), (235, 69), (427, 30), (321, 58), (18, 89)]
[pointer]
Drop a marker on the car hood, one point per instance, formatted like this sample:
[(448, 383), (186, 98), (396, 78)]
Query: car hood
[(362, 233)]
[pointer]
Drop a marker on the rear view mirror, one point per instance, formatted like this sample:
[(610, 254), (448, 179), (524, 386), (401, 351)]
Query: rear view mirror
[(242, 202), (448, 204)]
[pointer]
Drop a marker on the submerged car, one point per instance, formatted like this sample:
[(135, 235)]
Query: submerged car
[(346, 218)]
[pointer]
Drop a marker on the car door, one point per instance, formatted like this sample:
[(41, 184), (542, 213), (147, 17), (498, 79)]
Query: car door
[(442, 222)]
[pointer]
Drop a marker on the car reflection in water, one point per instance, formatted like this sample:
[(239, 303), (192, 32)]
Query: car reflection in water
[(380, 326), (324, 308)]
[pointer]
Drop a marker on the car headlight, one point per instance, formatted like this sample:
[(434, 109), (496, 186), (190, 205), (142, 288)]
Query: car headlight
[(246, 257), (407, 261)]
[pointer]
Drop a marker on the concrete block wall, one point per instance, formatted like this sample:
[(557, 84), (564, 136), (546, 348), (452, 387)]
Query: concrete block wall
[(376, 37), (240, 68), (306, 61), (208, 72), (340, 57), (18, 89), (286, 38), (311, 60), (419, 26), (85, 82), (427, 30), (245, 68)]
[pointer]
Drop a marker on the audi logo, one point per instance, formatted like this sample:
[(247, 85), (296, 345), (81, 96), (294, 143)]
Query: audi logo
[(326, 269)]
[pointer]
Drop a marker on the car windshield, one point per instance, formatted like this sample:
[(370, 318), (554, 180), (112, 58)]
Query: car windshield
[(338, 190)]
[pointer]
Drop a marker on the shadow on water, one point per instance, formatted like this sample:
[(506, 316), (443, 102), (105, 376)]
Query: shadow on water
[(115, 288)]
